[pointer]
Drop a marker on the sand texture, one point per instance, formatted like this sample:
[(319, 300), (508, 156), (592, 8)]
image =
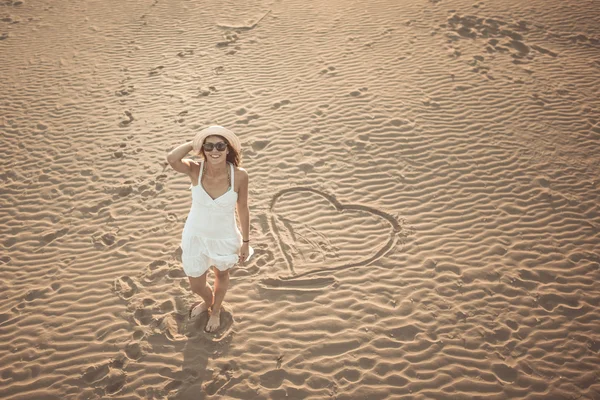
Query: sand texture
[(424, 188)]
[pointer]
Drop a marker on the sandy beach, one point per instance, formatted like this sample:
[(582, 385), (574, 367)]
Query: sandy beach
[(424, 198)]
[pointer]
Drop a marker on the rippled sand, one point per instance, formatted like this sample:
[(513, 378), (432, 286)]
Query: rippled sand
[(424, 198)]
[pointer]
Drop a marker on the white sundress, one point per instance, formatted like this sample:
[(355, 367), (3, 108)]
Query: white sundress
[(211, 236)]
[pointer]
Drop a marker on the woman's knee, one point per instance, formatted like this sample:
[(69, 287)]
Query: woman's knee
[(221, 274), (198, 284)]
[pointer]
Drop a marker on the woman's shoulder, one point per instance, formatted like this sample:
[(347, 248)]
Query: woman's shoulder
[(240, 173), (239, 169)]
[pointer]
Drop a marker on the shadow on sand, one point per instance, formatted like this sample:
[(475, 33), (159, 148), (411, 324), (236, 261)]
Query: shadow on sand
[(198, 382)]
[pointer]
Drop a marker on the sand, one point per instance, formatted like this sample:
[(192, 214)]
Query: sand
[(424, 188)]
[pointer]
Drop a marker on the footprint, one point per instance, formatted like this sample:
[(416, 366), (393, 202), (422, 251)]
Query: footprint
[(51, 236), (143, 316), (134, 350), (505, 373), (35, 294), (156, 70), (402, 124), (115, 381), (106, 239), (273, 379), (431, 103), (229, 38), (185, 53), (280, 104), (125, 190), (329, 71), (175, 273), (359, 92), (125, 287), (4, 317), (152, 276), (107, 377), (218, 381), (96, 373), (128, 121), (520, 47), (166, 306), (248, 119), (173, 327), (550, 301), (203, 92), (172, 385), (405, 333), (196, 327), (462, 88), (125, 91), (259, 145)]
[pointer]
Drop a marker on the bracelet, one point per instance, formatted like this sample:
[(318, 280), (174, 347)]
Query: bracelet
[(246, 241)]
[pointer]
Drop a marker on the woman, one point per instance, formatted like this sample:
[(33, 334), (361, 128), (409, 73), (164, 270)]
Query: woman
[(211, 237)]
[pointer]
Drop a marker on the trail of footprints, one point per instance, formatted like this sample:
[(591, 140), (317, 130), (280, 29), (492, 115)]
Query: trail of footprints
[(108, 377), (165, 316), (10, 19), (496, 37), (230, 44)]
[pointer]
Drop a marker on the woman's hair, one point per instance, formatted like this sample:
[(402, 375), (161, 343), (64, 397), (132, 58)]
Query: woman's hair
[(233, 157)]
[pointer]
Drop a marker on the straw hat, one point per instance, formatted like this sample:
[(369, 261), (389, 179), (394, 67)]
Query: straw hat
[(217, 130)]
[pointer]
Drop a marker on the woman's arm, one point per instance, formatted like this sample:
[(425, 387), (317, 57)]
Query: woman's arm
[(243, 211), (242, 204), (174, 158)]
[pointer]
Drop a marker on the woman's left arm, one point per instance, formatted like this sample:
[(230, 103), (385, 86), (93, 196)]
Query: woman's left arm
[(243, 212)]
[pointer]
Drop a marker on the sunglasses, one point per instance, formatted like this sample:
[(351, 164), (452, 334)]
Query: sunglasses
[(220, 146)]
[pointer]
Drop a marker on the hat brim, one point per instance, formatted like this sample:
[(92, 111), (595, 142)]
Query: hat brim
[(216, 130)]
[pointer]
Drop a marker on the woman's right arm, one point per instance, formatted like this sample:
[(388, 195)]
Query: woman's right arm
[(175, 158)]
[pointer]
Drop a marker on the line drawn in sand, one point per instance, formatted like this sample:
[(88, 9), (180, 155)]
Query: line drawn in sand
[(232, 34), (244, 27), (318, 234)]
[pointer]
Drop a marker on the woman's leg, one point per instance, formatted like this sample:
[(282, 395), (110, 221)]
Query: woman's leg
[(199, 286), (221, 285)]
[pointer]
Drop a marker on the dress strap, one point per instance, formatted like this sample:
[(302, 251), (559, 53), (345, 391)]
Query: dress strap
[(232, 174)]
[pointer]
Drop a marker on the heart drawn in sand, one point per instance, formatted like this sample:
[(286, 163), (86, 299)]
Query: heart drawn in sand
[(316, 233)]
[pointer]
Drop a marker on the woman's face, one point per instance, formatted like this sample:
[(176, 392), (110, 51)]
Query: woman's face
[(218, 149)]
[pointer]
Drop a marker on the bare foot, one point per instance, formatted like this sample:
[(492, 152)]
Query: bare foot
[(197, 309), (214, 321)]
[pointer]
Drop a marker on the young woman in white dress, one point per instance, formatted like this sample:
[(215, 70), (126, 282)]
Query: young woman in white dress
[(211, 236)]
